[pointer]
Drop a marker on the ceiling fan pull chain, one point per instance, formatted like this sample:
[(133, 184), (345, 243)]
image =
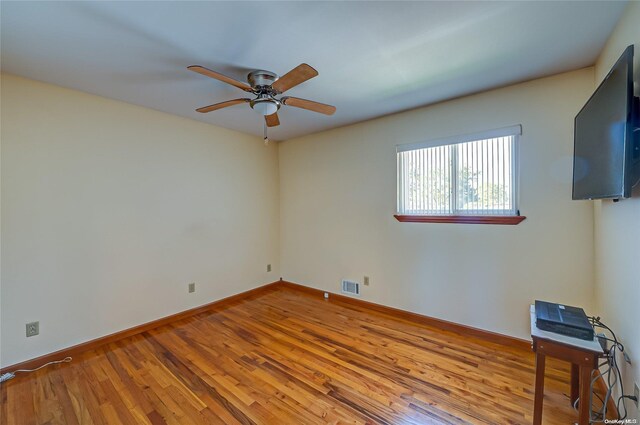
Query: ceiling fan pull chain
[(266, 139)]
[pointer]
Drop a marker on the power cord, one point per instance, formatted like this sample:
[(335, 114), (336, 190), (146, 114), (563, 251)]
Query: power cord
[(10, 375), (612, 376)]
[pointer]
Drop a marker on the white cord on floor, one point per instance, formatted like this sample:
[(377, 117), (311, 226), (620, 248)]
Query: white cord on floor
[(6, 376)]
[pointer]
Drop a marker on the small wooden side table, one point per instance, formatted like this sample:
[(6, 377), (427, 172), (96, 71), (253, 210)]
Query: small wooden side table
[(583, 356)]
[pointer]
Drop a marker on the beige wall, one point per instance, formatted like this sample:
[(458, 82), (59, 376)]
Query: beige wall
[(109, 210), (617, 227), (337, 200)]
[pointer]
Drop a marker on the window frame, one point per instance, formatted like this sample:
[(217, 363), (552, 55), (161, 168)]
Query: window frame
[(459, 215)]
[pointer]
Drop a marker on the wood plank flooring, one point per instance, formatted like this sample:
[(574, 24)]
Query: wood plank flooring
[(286, 357)]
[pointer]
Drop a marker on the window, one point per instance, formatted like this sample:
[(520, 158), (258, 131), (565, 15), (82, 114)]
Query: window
[(473, 175)]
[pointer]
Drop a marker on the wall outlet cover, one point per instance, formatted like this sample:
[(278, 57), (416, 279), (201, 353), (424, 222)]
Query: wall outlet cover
[(268, 267), (33, 329), (192, 287), (366, 281)]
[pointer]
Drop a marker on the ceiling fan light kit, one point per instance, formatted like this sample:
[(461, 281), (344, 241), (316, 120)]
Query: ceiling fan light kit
[(266, 85), (265, 105)]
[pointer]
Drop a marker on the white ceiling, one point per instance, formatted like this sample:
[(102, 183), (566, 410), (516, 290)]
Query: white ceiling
[(374, 58)]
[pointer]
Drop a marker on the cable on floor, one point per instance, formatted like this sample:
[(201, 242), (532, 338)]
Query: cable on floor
[(10, 375)]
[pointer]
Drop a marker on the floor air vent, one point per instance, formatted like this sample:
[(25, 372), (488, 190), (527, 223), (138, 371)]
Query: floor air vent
[(349, 287)]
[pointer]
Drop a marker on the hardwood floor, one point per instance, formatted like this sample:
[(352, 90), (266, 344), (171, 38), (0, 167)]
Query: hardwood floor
[(286, 357)]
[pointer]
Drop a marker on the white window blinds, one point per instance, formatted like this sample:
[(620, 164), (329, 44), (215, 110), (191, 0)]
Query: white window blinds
[(463, 175)]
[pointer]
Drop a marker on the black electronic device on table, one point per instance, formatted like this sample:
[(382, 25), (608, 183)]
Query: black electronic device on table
[(564, 320)]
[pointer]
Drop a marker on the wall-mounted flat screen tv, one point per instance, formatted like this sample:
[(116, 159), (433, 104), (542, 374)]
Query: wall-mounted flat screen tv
[(606, 149)]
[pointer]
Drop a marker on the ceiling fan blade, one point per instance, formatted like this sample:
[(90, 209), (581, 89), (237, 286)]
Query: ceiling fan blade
[(309, 105), (272, 120), (297, 75), (221, 105), (209, 73)]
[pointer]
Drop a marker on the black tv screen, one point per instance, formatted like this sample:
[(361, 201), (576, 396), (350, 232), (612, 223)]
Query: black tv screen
[(604, 138)]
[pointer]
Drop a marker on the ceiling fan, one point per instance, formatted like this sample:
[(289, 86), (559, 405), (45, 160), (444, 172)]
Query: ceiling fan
[(266, 85)]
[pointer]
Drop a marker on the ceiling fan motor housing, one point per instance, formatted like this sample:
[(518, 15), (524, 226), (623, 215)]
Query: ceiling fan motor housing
[(261, 78)]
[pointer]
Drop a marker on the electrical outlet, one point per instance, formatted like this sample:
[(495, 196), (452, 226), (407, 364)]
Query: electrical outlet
[(604, 343), (192, 287), (268, 267), (33, 329), (636, 392), (366, 281)]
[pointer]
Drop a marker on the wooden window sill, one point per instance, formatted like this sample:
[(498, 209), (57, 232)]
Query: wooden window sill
[(464, 219)]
